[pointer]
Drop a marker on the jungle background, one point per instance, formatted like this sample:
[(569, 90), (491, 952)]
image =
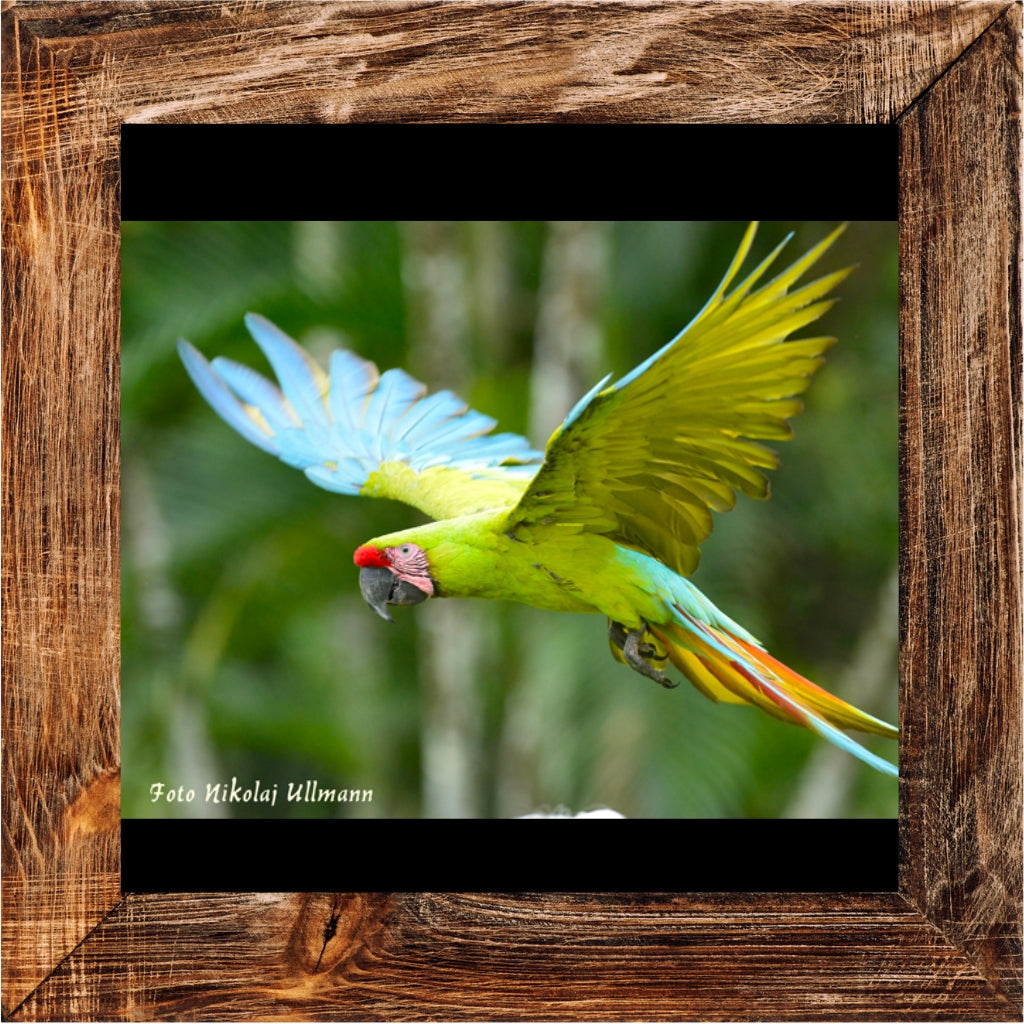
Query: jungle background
[(247, 650)]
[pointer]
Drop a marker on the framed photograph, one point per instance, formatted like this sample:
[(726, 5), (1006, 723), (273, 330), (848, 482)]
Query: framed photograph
[(236, 576), (77, 944), (256, 682)]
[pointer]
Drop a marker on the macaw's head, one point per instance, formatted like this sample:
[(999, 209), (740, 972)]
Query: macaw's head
[(393, 575)]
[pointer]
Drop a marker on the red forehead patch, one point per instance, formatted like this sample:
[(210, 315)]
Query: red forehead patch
[(369, 557)]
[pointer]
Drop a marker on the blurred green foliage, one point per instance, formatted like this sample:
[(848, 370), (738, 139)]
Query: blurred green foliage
[(247, 651)]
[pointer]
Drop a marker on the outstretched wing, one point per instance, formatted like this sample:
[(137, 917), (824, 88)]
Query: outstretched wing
[(646, 460), (356, 431)]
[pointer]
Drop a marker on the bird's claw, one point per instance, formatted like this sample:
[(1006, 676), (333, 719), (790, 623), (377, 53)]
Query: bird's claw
[(636, 654)]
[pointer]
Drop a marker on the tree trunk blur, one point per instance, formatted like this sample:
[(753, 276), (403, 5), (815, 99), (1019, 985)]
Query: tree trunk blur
[(450, 651), (567, 360)]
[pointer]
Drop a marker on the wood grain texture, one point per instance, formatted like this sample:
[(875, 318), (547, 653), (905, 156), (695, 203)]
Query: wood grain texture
[(414, 956), (582, 61), (946, 947), (61, 776), (960, 667)]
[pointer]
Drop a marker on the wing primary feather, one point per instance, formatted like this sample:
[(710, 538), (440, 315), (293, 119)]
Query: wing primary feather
[(255, 390), (223, 401), (795, 270), (696, 410), (352, 381), (391, 399), (356, 431), (713, 302), (427, 415), (464, 427), (737, 261), (723, 309), (302, 381)]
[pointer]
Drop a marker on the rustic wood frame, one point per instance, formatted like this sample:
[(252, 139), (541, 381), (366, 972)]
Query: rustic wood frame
[(947, 945)]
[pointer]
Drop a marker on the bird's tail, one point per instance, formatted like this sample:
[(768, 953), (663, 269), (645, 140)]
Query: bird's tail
[(726, 667)]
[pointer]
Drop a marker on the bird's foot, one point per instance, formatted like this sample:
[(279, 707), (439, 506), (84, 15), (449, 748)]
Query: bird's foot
[(638, 651)]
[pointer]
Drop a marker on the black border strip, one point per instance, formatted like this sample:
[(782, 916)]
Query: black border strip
[(624, 172), (360, 855)]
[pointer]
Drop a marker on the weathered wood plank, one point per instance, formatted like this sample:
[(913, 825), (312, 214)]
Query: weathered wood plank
[(514, 957), (961, 663), (740, 61), (61, 778)]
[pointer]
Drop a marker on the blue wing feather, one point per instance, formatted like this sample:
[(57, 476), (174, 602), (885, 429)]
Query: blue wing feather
[(346, 478), (352, 381), (395, 394), (255, 390), (221, 398), (434, 410), (340, 427), (460, 428), (294, 368)]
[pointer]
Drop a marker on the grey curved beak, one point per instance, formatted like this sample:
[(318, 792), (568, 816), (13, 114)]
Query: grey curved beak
[(375, 585), (380, 588)]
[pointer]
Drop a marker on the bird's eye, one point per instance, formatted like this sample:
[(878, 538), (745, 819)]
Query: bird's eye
[(404, 549)]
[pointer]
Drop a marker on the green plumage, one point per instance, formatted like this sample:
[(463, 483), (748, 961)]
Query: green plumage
[(647, 460), (613, 519)]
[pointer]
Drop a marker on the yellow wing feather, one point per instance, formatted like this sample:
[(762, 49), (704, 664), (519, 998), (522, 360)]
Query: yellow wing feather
[(646, 460)]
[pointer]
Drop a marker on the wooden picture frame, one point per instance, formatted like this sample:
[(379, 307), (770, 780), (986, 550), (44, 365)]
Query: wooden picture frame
[(946, 945)]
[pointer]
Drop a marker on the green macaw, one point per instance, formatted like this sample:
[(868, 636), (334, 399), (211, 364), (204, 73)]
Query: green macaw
[(608, 519)]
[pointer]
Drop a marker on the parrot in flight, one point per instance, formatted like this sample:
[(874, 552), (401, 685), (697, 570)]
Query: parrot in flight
[(609, 518)]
